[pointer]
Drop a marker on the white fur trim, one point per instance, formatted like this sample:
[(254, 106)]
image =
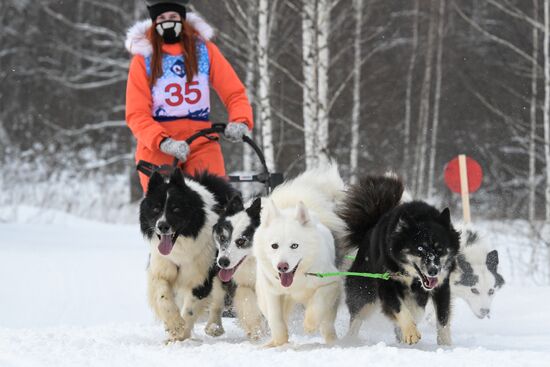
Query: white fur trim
[(137, 42), (136, 39)]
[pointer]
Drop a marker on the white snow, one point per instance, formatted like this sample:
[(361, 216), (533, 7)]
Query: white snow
[(72, 293)]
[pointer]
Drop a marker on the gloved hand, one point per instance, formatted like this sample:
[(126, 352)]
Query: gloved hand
[(235, 131), (175, 148)]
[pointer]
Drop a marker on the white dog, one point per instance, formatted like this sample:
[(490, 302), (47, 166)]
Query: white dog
[(296, 237)]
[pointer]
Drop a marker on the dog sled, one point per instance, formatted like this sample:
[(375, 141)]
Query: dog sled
[(268, 179)]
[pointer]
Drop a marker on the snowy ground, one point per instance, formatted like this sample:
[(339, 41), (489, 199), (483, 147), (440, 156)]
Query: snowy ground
[(72, 293)]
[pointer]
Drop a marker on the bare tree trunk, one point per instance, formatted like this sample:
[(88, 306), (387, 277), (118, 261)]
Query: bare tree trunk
[(408, 99), (356, 111), (310, 85), (533, 132), (323, 31), (250, 79), (424, 112), (547, 102), (438, 77), (264, 104), (138, 9)]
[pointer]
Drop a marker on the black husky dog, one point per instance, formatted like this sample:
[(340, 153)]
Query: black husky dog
[(413, 241), (177, 218)]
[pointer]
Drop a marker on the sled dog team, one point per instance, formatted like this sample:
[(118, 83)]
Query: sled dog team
[(205, 241)]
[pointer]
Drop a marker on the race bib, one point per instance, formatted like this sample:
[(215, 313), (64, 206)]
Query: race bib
[(174, 97)]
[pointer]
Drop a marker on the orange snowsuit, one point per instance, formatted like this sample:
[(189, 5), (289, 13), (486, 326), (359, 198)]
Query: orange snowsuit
[(150, 125)]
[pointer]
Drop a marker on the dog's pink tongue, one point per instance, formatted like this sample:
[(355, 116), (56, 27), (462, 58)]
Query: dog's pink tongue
[(432, 282), (226, 274), (286, 279), (165, 245)]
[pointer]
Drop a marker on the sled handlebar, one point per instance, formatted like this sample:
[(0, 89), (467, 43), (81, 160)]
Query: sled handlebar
[(219, 128)]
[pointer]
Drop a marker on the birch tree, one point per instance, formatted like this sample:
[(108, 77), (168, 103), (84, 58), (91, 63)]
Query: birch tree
[(310, 88), (547, 102), (356, 111), (424, 112), (533, 116), (264, 104), (315, 54), (437, 101), (250, 80), (408, 98)]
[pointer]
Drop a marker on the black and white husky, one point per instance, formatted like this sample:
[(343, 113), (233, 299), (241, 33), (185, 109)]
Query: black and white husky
[(476, 278), (233, 235), (413, 241), (176, 218)]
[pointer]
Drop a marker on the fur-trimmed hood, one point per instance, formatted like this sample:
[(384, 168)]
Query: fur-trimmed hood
[(137, 42)]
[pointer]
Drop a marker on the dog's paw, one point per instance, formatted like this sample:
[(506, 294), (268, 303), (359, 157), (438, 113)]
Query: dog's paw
[(275, 343), (176, 333), (410, 335), (214, 330), (310, 326), (255, 334), (444, 336), (330, 337), (175, 338)]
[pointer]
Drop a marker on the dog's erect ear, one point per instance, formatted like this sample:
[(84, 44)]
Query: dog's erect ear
[(255, 209), (492, 265), (492, 260), (177, 178), (234, 205), (302, 214), (471, 238), (270, 212), (445, 217), (154, 182)]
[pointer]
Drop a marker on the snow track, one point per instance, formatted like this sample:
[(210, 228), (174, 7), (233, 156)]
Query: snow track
[(73, 294)]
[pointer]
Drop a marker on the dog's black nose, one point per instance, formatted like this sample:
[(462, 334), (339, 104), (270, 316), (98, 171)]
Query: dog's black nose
[(224, 262), (432, 271), (163, 227), (283, 267)]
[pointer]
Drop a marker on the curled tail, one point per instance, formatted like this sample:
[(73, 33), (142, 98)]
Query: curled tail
[(365, 203), (324, 178)]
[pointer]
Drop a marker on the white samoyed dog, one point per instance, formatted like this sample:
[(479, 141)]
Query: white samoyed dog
[(296, 236)]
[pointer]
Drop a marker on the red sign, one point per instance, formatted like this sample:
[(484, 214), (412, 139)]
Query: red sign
[(452, 175)]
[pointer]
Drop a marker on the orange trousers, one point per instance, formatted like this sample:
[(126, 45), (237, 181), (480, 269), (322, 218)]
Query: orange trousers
[(205, 155)]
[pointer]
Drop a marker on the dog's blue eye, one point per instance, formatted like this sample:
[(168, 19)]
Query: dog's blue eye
[(420, 248), (156, 209), (475, 291), (176, 210), (274, 246), (294, 246)]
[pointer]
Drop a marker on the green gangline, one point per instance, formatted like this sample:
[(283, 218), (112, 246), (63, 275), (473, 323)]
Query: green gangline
[(385, 276)]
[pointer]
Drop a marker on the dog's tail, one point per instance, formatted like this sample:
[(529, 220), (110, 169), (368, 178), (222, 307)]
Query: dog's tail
[(365, 203), (324, 178)]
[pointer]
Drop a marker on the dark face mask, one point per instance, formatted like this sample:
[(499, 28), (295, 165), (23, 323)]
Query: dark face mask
[(170, 31)]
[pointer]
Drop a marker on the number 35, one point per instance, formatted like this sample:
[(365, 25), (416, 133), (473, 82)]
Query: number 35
[(177, 98)]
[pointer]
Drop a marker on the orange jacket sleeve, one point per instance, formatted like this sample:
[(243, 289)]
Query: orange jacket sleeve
[(229, 87), (138, 107)]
